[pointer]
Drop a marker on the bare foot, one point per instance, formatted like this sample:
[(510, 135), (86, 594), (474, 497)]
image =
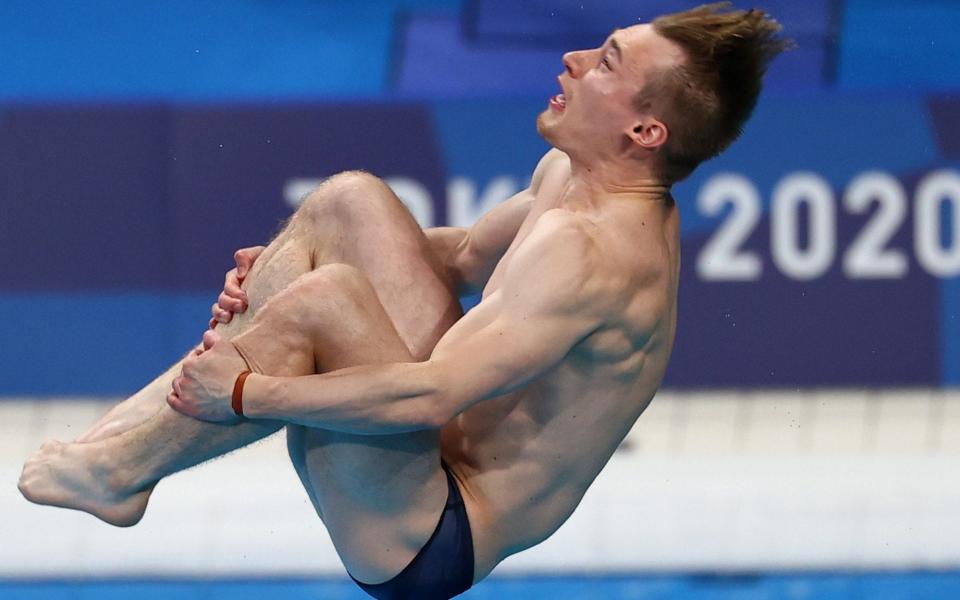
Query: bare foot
[(71, 476)]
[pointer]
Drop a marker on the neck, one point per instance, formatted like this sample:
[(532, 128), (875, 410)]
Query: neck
[(610, 178)]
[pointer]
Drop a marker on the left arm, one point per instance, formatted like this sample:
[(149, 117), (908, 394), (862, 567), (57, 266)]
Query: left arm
[(550, 300), (380, 399)]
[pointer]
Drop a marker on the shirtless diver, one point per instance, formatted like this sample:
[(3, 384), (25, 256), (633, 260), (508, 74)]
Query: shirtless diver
[(434, 445)]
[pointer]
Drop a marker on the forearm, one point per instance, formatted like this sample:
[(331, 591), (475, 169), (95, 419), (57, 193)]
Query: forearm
[(447, 244), (366, 400), (469, 255)]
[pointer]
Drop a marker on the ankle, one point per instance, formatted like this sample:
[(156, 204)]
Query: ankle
[(108, 468)]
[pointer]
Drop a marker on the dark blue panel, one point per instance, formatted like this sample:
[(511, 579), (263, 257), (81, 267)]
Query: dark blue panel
[(945, 116), (832, 331), (437, 60), (571, 24), (159, 198), (950, 331), (571, 21), (232, 164), (559, 23), (84, 197), (155, 200)]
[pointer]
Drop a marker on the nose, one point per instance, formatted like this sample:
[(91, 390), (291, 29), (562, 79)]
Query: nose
[(573, 62)]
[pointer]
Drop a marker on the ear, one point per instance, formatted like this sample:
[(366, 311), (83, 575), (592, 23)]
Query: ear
[(649, 134)]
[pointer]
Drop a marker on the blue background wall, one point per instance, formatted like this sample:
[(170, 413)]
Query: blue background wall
[(141, 144)]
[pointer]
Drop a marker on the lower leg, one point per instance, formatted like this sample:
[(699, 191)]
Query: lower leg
[(281, 340), (134, 410), (287, 257), (401, 267), (89, 476), (387, 246)]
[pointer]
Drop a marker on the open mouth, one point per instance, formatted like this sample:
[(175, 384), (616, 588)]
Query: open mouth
[(558, 102)]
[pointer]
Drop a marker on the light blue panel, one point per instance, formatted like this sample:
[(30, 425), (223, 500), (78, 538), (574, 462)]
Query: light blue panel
[(486, 138), (94, 344), (896, 44), (179, 49), (760, 586)]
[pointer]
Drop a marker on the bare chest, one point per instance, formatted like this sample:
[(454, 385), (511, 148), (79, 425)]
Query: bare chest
[(547, 198), (496, 278)]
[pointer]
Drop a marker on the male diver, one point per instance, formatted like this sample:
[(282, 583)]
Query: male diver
[(433, 445)]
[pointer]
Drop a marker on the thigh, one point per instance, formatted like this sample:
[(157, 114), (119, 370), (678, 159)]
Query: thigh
[(379, 496), (375, 233)]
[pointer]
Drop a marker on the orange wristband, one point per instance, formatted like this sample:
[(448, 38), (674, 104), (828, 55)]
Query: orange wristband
[(237, 400)]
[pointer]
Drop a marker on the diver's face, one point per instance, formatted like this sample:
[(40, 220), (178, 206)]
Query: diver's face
[(596, 108)]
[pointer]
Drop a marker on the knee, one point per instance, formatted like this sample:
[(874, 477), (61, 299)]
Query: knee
[(346, 195), (326, 291), (330, 280)]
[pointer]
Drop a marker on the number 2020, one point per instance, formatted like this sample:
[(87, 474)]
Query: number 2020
[(868, 257)]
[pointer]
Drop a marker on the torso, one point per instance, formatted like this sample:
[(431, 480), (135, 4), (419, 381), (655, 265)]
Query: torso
[(525, 460)]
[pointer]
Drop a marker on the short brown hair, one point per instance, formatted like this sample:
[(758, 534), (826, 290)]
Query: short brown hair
[(707, 100)]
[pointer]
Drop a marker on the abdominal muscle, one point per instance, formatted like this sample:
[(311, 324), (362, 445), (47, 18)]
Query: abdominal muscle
[(525, 460)]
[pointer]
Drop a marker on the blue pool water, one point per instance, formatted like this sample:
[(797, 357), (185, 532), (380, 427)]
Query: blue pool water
[(822, 586)]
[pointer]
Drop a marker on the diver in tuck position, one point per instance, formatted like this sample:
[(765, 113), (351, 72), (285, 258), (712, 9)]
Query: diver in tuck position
[(434, 446)]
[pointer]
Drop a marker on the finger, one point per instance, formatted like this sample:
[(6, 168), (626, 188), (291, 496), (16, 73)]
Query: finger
[(210, 338), (231, 286), (177, 404), (176, 386), (245, 258), (219, 315), (233, 300), (234, 305), (244, 262)]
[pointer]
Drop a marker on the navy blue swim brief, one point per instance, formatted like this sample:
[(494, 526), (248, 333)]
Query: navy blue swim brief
[(444, 566)]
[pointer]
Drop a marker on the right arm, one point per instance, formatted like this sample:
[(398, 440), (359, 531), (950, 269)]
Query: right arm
[(471, 254), (554, 295)]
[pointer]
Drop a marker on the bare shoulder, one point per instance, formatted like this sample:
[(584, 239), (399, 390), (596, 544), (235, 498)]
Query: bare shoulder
[(561, 233), (563, 256), (630, 278), (553, 164), (646, 265)]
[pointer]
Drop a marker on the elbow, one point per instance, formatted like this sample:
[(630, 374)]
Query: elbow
[(437, 413), (431, 411), (471, 269), (435, 404)]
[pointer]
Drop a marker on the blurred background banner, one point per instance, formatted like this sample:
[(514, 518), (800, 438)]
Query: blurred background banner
[(818, 346), (820, 250)]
